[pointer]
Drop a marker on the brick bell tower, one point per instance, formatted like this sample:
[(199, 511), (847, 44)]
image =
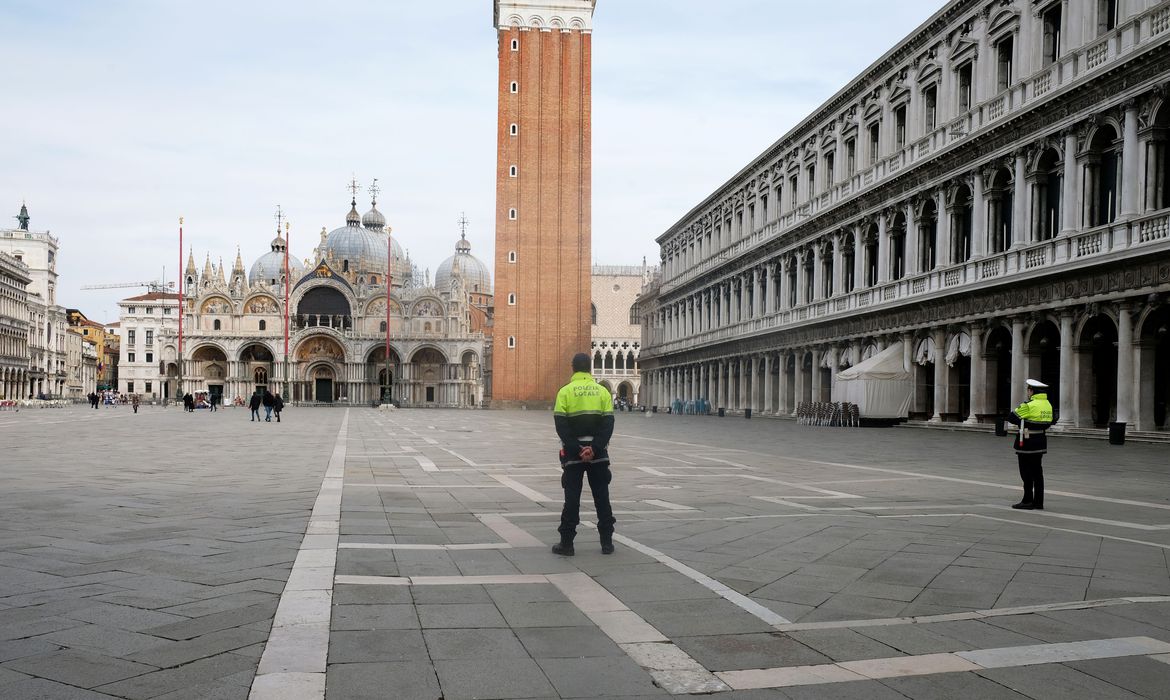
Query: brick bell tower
[(543, 194)]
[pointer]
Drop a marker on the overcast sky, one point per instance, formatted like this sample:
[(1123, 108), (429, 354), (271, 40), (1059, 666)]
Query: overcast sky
[(120, 116)]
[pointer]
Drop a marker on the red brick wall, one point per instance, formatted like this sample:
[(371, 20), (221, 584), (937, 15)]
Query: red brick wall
[(551, 236)]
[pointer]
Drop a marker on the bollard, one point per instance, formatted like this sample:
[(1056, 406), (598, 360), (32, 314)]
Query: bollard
[(747, 413), (1117, 433), (721, 412)]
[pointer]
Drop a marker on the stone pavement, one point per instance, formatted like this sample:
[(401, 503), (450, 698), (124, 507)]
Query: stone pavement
[(347, 553)]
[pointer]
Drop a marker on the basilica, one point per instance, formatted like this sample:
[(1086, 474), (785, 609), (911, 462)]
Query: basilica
[(357, 296)]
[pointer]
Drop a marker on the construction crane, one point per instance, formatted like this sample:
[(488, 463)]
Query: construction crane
[(152, 286), (160, 285)]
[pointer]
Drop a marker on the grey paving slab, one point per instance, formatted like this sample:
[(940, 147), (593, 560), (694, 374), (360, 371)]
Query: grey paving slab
[(41, 689), (951, 686), (499, 678), (1140, 675), (730, 652), (376, 645), (473, 644), (844, 644), (374, 617), (1056, 681), (567, 642), (377, 681), (597, 677), (460, 615)]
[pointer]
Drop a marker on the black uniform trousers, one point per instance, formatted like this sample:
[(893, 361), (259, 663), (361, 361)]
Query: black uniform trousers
[(1032, 474), (572, 480)]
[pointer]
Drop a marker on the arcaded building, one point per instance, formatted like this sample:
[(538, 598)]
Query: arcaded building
[(617, 332), (993, 194), (543, 196)]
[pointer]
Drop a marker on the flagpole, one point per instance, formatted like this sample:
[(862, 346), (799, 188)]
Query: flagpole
[(287, 284), (179, 383), (389, 261)]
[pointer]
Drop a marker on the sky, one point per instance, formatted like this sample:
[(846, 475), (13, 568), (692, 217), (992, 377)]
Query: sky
[(123, 115)]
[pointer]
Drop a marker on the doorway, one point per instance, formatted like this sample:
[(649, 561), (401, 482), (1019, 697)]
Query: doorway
[(323, 390), (430, 394)]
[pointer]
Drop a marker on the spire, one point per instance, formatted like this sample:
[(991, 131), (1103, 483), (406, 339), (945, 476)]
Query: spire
[(353, 218), (23, 217), (238, 268), (220, 273), (207, 271), (190, 271)]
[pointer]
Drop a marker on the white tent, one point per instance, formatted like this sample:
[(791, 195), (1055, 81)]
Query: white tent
[(880, 386)]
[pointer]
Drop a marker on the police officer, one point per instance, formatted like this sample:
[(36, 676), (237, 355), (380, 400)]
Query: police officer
[(1032, 417), (583, 416)]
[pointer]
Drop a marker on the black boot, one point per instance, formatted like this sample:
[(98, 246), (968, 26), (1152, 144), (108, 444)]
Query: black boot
[(564, 548), (606, 545), (1024, 505)]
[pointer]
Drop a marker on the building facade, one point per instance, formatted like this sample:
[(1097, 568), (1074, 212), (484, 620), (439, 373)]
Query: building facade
[(543, 196), (47, 320), (617, 332), (14, 351), (992, 193), (343, 312), (147, 345)]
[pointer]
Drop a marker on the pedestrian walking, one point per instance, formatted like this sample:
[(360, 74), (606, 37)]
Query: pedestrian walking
[(1033, 418), (134, 402), (583, 415), (254, 404), (277, 406), (188, 403), (269, 401), (213, 399)]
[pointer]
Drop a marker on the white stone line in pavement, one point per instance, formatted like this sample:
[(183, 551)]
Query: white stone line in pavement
[(445, 547), (722, 590), (426, 463), (465, 460), (972, 615), (924, 664), (292, 666), (430, 486), (1164, 658), (530, 494), (672, 668), (1085, 519), (502, 579), (667, 504), (862, 481), (902, 472), (512, 534)]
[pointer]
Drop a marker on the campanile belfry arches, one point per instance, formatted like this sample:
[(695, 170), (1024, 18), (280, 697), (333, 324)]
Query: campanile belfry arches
[(543, 195)]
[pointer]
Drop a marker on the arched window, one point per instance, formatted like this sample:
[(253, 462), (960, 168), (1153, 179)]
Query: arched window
[(216, 325), (597, 360), (999, 208), (382, 327), (1102, 177), (898, 246), (961, 222), (261, 375), (264, 325), (593, 310), (928, 236), (345, 266), (373, 279)]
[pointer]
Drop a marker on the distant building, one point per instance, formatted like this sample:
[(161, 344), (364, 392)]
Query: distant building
[(95, 336), (14, 351), (47, 321), (149, 323), (617, 333)]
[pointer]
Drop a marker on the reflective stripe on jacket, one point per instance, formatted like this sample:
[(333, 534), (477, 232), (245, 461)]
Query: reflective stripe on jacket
[(583, 415)]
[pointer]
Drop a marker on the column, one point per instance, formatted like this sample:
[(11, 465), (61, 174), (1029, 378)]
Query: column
[(757, 297), (712, 383), (883, 249), (978, 218), (783, 300), (769, 368), (782, 385), (942, 234), (838, 264), (834, 367), (772, 293), (1069, 220), (1067, 380), (1019, 203), (744, 286), (1018, 392), (910, 246), (978, 373), (858, 258), (754, 373), (744, 365), (1130, 183), (939, 339), (1126, 392), (815, 374), (798, 380)]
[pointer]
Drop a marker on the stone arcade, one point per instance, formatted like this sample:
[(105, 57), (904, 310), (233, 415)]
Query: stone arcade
[(994, 193)]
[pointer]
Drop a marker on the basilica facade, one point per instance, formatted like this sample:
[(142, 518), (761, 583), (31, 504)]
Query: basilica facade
[(993, 194), (341, 308)]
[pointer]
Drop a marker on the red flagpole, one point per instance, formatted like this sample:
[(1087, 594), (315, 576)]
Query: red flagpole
[(287, 284), (181, 273), (389, 261)]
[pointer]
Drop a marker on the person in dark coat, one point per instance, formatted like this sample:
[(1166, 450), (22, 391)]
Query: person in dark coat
[(254, 404), (134, 402), (212, 400), (277, 406), (188, 403), (269, 401)]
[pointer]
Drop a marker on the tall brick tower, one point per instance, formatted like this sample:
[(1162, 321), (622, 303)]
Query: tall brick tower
[(543, 194)]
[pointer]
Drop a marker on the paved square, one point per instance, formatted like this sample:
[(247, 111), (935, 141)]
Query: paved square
[(350, 553)]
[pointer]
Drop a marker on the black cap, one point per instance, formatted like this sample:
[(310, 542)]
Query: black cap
[(581, 362)]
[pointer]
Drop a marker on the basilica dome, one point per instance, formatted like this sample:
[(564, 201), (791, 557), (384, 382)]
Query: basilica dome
[(355, 248), (463, 264), (373, 219), (270, 267)]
